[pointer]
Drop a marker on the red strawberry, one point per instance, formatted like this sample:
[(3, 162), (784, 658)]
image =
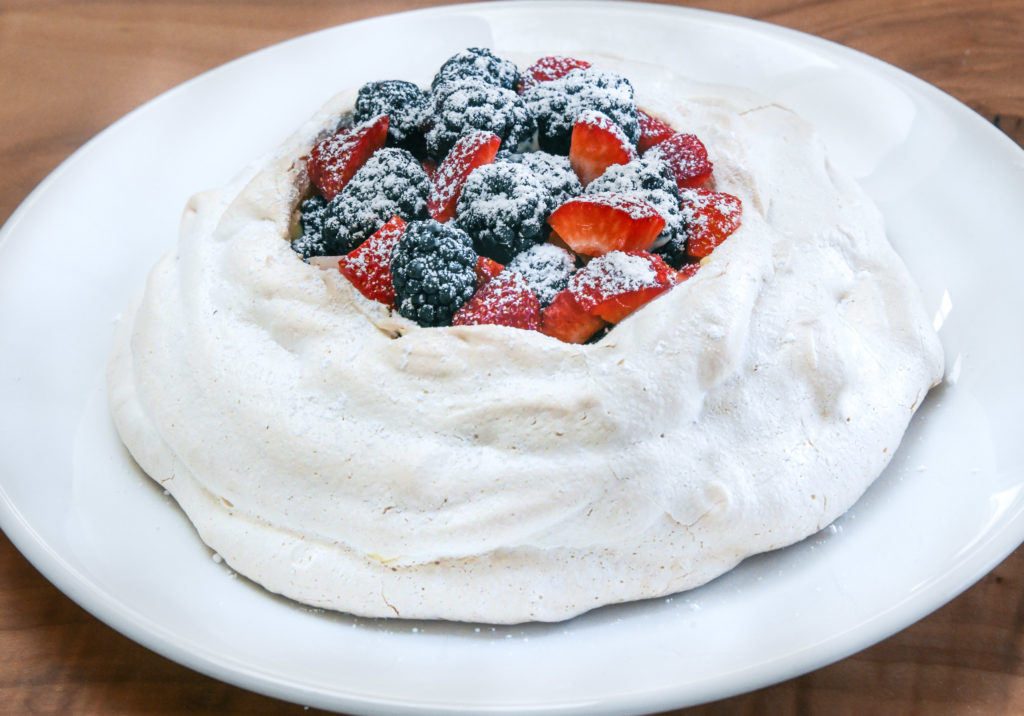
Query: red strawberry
[(687, 157), (596, 144), (616, 284), (549, 68), (594, 224), (334, 161), (688, 270), (471, 151), (506, 300), (567, 321), (711, 217), (486, 269), (652, 131), (368, 266)]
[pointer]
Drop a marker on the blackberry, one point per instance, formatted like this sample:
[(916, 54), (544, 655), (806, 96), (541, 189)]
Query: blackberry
[(433, 268), (553, 169), (481, 64), (651, 180), (559, 102), (460, 107), (391, 182), (311, 219), (546, 268), (406, 106), (504, 207)]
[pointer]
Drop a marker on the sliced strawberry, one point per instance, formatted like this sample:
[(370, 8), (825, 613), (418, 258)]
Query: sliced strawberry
[(565, 319), (471, 151), (596, 144), (549, 68), (554, 238), (368, 266), (687, 157), (334, 161), (652, 131), (616, 284), (486, 269), (688, 270), (505, 300), (711, 217), (594, 224)]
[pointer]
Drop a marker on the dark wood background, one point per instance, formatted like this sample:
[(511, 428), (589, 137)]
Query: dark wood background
[(68, 69)]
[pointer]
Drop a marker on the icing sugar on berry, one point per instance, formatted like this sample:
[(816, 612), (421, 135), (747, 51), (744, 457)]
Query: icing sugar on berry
[(542, 200)]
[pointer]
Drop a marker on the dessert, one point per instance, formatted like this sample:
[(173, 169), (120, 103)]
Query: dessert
[(547, 421)]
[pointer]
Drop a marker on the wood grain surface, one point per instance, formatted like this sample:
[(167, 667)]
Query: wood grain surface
[(69, 69)]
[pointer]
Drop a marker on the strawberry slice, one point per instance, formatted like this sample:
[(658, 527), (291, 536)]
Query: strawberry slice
[(594, 224), (652, 131), (687, 157), (616, 284), (565, 319), (471, 151), (711, 217), (506, 300), (596, 144), (549, 68), (688, 270), (334, 161), (486, 269), (368, 266)]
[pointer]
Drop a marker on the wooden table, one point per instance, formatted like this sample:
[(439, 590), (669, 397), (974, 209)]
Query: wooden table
[(67, 70)]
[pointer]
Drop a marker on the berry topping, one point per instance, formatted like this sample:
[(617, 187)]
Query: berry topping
[(391, 183), (711, 217), (546, 268), (612, 189), (406, 106), (368, 266), (335, 160), (430, 167), (652, 131), (552, 169), (311, 219), (688, 270), (478, 63), (550, 68), (594, 224), (566, 320), (597, 143), (471, 151), (461, 107), (686, 157), (650, 180), (433, 271), (559, 102), (507, 300), (616, 284), (503, 207), (486, 269)]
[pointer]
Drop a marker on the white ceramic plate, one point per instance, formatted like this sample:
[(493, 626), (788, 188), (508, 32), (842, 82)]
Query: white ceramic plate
[(946, 511)]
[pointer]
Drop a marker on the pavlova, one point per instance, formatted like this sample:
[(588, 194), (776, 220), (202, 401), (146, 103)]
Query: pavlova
[(523, 343)]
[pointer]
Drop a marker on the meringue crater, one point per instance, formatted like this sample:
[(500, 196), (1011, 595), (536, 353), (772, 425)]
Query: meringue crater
[(349, 459)]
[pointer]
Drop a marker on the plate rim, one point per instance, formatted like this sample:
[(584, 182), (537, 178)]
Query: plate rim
[(149, 634)]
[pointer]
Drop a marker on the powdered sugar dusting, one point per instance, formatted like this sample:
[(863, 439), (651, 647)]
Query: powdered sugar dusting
[(614, 273), (455, 169), (634, 207), (546, 268), (507, 300)]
